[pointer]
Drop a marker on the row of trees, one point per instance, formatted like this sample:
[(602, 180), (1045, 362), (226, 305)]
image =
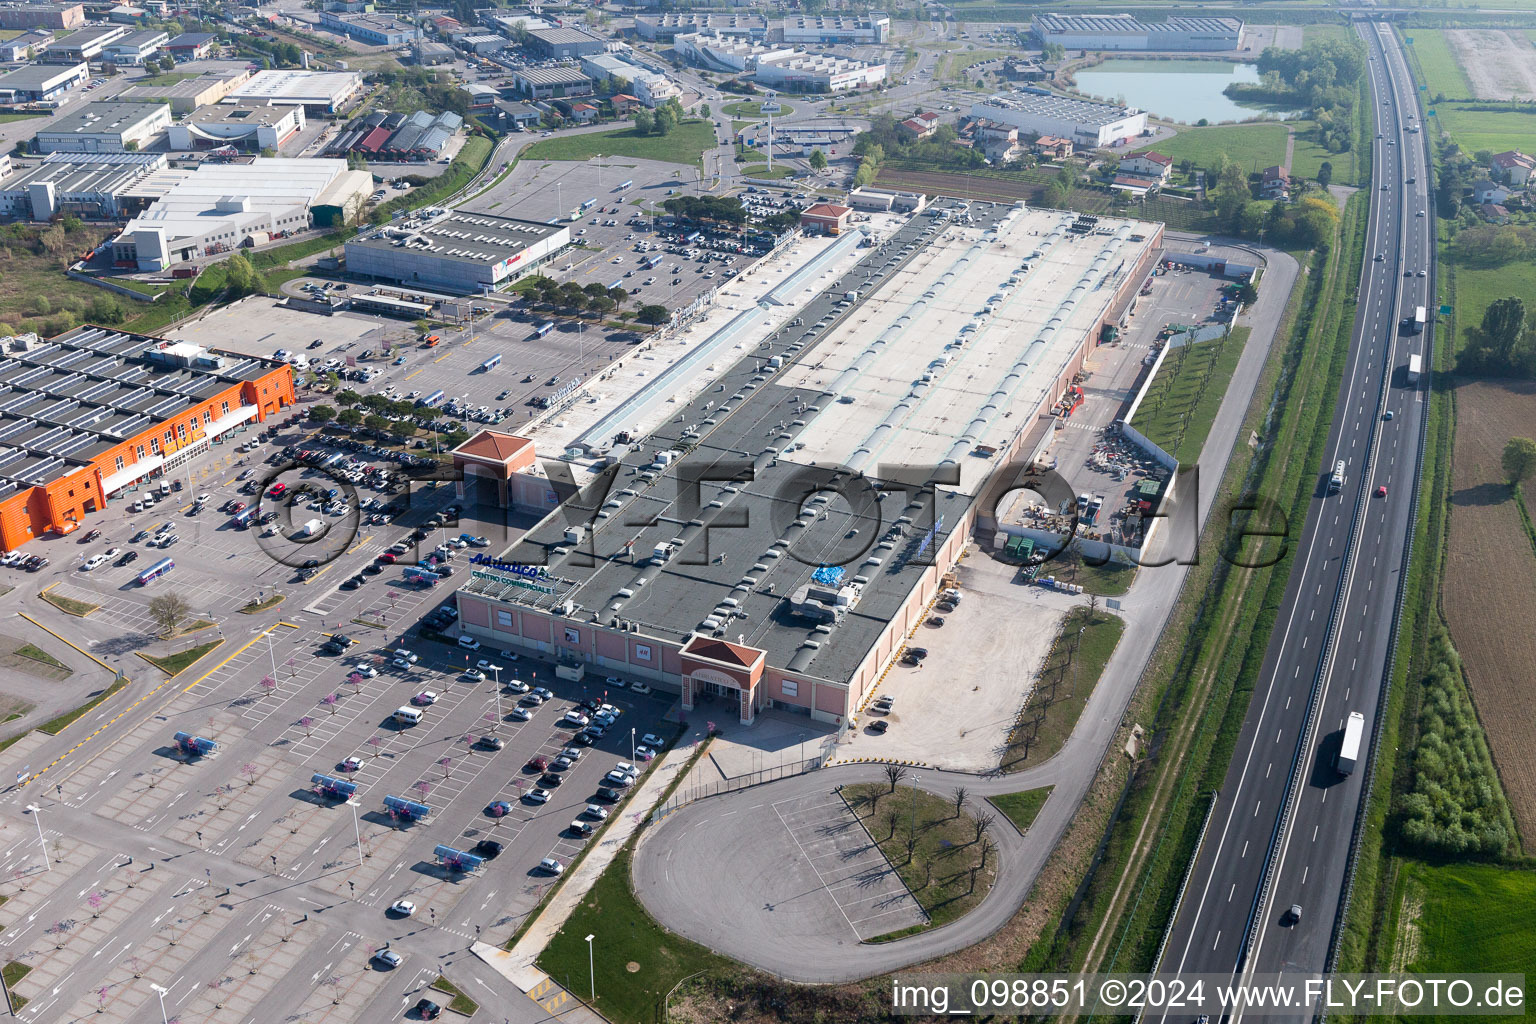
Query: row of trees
[(704, 209), (574, 297), (1454, 805)]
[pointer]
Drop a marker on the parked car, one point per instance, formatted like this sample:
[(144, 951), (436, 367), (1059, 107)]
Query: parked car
[(387, 957), (551, 866), (537, 795), (425, 697), (498, 808)]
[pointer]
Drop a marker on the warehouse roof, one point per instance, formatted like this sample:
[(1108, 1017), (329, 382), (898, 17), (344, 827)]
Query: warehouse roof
[(35, 76), (551, 76), (94, 173), (1128, 24), (473, 238), (1059, 107), (560, 36), (105, 116)]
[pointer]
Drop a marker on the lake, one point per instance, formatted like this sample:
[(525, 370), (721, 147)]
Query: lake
[(1178, 90)]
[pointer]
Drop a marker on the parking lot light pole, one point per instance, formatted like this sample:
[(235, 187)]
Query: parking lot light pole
[(496, 675), (357, 830), (591, 972), (161, 991), (37, 817), (631, 744)]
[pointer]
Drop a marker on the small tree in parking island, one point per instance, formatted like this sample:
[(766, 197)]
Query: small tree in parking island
[(330, 701), (250, 771), (169, 611), (306, 723), (268, 686), (653, 315)]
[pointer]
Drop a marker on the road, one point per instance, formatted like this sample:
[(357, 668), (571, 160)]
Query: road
[(1280, 832)]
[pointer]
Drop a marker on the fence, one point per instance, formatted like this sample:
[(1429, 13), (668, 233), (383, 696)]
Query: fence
[(683, 797)]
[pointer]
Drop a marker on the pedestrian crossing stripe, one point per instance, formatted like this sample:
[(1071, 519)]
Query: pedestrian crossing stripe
[(553, 1005), (541, 988)]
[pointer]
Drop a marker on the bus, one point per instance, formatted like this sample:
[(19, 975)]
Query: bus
[(243, 518), (618, 283), (651, 262), (624, 185), (587, 205), (543, 329), (433, 400), (155, 571), (491, 363)]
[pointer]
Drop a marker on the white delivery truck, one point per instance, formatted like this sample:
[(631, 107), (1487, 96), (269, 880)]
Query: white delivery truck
[(1354, 736), (311, 528)]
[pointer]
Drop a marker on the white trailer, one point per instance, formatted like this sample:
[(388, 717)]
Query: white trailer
[(1354, 736)]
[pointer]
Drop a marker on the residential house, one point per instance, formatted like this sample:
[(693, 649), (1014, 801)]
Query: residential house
[(920, 126), (1487, 192), (1152, 166), (1513, 166), (1274, 183), (1053, 147), (1493, 213), (624, 104), (584, 112), (1000, 142)]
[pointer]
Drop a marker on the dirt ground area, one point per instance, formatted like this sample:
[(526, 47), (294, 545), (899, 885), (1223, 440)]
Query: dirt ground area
[(1490, 583), (1500, 65)]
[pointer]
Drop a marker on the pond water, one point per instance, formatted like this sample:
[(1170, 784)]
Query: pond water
[(1178, 90)]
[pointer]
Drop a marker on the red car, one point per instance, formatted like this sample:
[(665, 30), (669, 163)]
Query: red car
[(537, 764), (387, 558), (1381, 492), (277, 490), (237, 508)]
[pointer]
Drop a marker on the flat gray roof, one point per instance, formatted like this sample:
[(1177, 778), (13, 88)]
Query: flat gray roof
[(75, 397), (35, 76), (79, 173), (563, 35), (107, 116), (475, 238), (1130, 25)]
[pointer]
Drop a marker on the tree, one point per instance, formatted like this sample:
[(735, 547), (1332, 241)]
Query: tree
[(1501, 343), (654, 315), (666, 120), (894, 773), (268, 685), (959, 795), (1519, 459), (306, 723), (1325, 173), (322, 413), (250, 771), (818, 160), (645, 121), (983, 824), (330, 700), (169, 611), (704, 110), (349, 418)]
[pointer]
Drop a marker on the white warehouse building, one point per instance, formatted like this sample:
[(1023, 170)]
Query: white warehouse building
[(728, 53), (1127, 32), (462, 253), (221, 124), (1086, 124), (872, 28), (818, 72)]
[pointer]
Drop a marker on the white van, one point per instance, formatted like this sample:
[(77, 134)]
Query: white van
[(407, 716)]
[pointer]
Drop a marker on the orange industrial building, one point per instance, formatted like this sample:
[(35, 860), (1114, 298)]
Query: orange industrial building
[(92, 415)]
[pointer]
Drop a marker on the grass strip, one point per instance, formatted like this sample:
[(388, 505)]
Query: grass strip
[(255, 606), (1182, 403), (39, 655), (460, 1003), (69, 605), (54, 726), (13, 972), (1021, 808), (179, 662), (942, 854), (1071, 671)]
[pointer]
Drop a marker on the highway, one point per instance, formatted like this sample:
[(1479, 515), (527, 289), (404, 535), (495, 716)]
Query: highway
[(1280, 832)]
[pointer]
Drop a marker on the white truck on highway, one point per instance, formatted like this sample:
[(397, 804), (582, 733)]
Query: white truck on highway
[(1349, 749)]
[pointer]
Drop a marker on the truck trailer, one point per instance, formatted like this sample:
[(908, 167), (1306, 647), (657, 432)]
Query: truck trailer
[(1354, 736)]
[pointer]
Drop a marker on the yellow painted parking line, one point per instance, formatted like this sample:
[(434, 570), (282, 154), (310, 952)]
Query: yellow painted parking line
[(57, 636), (359, 544), (413, 373), (198, 681), (441, 357), (317, 575)]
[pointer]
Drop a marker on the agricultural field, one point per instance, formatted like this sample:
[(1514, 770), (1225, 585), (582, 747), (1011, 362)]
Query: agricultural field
[(1499, 64), (1255, 146), (1327, 34), (1462, 917), (1489, 593), (1438, 63), (1494, 130), (684, 145)]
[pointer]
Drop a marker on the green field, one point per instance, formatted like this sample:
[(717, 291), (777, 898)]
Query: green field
[(957, 66), (8, 118), (685, 145), (1495, 130), (7, 34), (1441, 71), (1327, 34), (754, 109), (1478, 287), (1308, 155), (1469, 917), (1178, 410), (1255, 146)]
